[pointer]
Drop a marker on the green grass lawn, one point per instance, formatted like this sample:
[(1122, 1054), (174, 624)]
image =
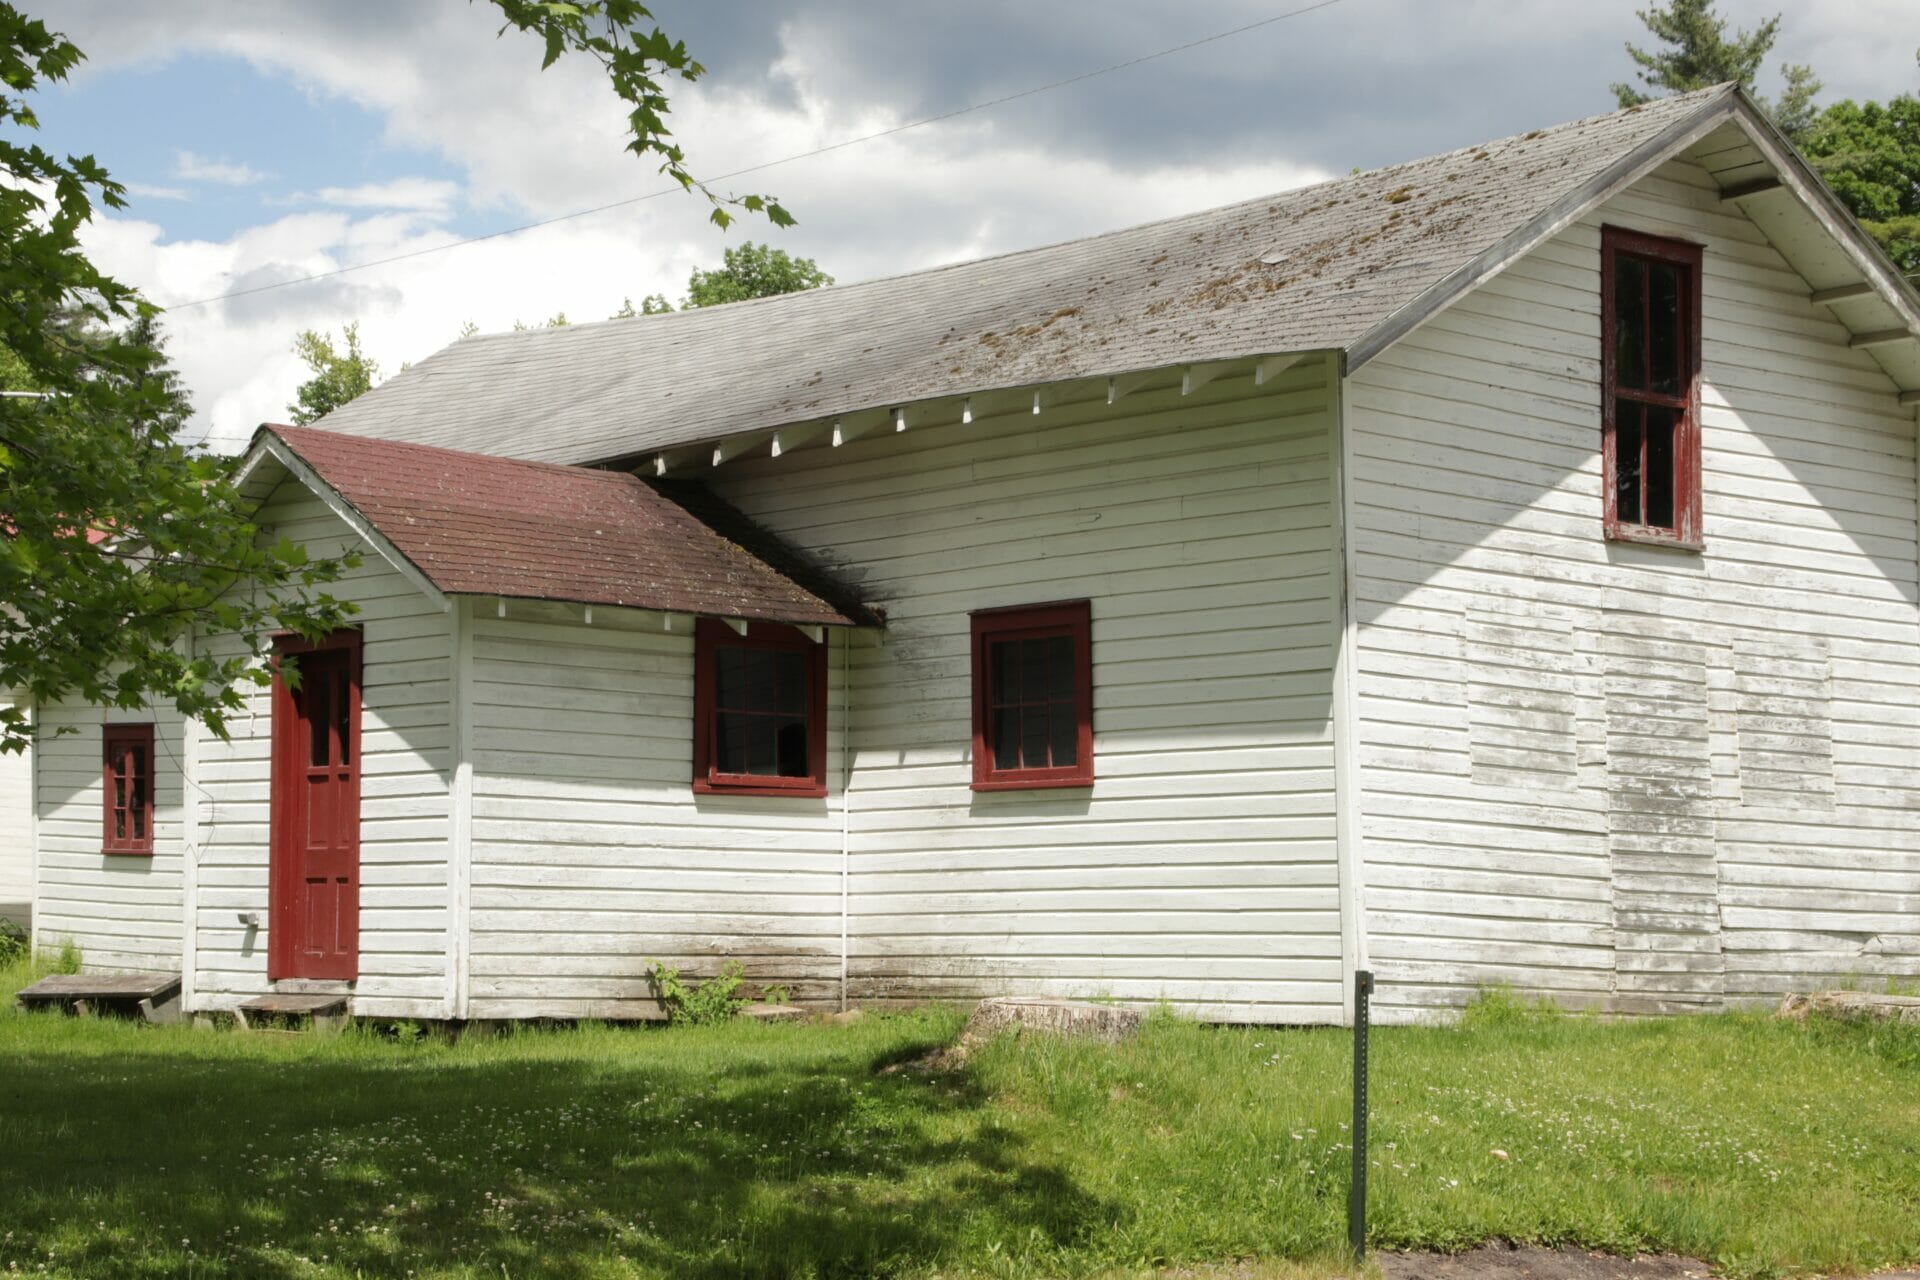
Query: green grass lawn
[(748, 1150)]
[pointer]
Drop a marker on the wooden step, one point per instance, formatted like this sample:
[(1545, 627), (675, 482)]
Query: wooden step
[(324, 1012), (155, 995), (289, 1005)]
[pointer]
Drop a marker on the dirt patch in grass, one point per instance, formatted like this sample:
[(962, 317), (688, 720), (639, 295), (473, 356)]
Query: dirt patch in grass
[(1530, 1262)]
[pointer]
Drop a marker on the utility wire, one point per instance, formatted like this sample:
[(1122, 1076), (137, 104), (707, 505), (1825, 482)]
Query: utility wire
[(770, 164)]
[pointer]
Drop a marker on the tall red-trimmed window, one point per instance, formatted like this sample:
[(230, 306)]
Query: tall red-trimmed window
[(126, 769), (759, 711), (1650, 380), (1033, 697)]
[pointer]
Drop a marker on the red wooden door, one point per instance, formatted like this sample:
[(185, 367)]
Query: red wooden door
[(314, 873)]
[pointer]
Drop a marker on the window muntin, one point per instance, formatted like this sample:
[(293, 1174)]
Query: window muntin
[(1033, 697), (759, 711), (1650, 363), (126, 772)]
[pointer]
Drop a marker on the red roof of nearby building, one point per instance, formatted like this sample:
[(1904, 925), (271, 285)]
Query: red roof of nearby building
[(481, 525)]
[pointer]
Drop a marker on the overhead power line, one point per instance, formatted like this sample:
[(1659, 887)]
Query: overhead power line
[(842, 145)]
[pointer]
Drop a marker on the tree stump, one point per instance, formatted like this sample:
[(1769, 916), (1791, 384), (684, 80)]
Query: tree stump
[(1852, 1006), (1107, 1023)]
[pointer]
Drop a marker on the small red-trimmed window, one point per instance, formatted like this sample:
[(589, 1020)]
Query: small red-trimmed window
[(1033, 697), (127, 770), (759, 711), (1650, 370)]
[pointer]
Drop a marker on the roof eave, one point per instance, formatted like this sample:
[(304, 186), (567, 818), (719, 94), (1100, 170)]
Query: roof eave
[(1734, 104), (839, 621), (1834, 217), (267, 444), (1556, 218)]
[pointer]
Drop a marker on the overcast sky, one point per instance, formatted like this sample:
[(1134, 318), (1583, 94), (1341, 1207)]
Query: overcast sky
[(273, 140)]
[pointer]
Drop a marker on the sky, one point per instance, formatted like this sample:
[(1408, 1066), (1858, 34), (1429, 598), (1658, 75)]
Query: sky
[(280, 139)]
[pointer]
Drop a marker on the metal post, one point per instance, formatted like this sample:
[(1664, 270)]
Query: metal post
[(1357, 1187)]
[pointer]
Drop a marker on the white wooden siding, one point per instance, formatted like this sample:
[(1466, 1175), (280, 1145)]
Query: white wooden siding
[(1201, 867), (592, 857), (122, 912), (16, 830), (403, 807), (1626, 775)]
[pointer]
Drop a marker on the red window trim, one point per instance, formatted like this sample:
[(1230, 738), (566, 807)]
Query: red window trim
[(1686, 534), (131, 735), (708, 634), (1071, 617)]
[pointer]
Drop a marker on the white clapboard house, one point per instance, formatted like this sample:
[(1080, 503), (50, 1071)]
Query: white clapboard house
[(1498, 568)]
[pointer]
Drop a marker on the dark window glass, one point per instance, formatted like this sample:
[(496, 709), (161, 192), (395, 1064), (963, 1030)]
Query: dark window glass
[(730, 742), (760, 721), (1626, 461), (1006, 737), (1035, 710), (1630, 322), (1663, 329), (342, 735), (1660, 426), (315, 696)]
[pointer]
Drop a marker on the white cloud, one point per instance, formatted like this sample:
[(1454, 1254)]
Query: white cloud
[(424, 195), (191, 167), (147, 191)]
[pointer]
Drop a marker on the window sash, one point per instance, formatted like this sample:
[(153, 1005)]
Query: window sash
[(712, 640), (127, 779), (995, 628), (1629, 451)]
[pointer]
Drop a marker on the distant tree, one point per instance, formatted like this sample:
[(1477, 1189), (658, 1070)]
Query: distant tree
[(558, 320), (1869, 153), (654, 304), (339, 374), (1700, 53), (752, 271)]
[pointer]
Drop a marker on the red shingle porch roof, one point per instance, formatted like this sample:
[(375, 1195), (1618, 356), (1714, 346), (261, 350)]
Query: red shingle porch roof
[(473, 524)]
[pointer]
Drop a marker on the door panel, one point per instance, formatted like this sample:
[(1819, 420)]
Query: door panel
[(315, 868)]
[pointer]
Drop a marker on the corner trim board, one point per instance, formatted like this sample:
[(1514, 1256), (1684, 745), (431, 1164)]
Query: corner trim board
[(190, 845), (1349, 864), (460, 815)]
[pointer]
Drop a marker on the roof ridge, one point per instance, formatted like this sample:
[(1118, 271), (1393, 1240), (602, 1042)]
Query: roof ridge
[(571, 468), (840, 289)]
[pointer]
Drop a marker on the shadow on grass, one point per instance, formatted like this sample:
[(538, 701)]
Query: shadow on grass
[(769, 1163)]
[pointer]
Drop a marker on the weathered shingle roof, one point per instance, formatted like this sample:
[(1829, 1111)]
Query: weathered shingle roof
[(1313, 269), (479, 525)]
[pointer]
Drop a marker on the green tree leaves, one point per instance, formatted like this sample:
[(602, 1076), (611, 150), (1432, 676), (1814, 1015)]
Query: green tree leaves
[(752, 271), (1868, 153), (339, 373), (115, 538), (638, 58), (1700, 53)]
